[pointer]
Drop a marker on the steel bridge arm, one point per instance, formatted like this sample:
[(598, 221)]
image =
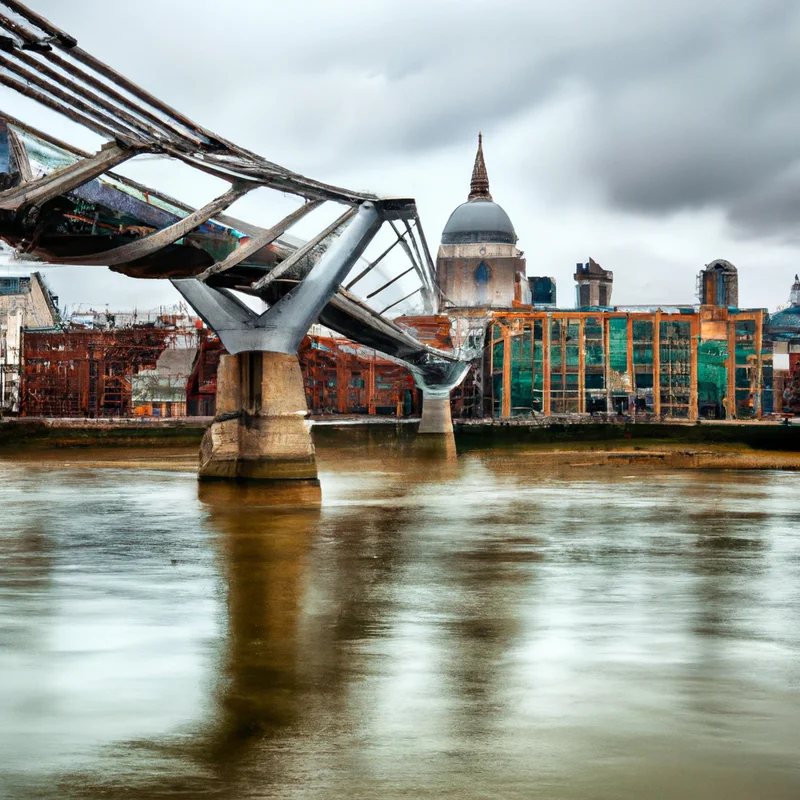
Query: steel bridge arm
[(281, 328)]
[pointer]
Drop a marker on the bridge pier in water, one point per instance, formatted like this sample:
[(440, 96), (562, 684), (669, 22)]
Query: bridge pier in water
[(437, 379), (436, 418), (260, 432)]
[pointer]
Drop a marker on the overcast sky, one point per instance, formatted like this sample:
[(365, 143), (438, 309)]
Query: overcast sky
[(652, 137)]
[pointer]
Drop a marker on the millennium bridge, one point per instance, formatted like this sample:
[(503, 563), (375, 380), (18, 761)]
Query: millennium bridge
[(63, 205)]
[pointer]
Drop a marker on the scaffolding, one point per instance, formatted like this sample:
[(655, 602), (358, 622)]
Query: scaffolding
[(86, 373)]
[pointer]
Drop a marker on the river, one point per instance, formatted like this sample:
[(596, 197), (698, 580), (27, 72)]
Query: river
[(479, 627)]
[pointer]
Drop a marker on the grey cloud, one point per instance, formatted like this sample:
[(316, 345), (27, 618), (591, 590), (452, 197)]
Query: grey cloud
[(772, 210), (685, 105)]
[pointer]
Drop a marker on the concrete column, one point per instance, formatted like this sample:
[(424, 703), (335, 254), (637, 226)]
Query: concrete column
[(435, 414), (260, 432), (437, 379)]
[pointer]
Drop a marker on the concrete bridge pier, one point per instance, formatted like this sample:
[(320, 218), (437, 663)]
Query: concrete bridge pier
[(260, 432), (436, 416), (437, 379)]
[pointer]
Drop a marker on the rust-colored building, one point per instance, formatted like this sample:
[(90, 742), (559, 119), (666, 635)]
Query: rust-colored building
[(156, 371), (86, 373), (345, 378)]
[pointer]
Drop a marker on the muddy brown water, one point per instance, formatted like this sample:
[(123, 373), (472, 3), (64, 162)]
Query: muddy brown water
[(487, 626)]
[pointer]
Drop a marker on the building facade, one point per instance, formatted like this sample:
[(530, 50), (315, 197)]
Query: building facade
[(711, 361), (25, 302), (784, 330)]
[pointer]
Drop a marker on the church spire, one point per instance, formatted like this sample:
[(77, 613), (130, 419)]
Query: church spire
[(479, 187), (794, 296)]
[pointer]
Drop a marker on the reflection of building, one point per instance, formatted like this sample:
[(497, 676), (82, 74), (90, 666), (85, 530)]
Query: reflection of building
[(679, 362), (25, 302)]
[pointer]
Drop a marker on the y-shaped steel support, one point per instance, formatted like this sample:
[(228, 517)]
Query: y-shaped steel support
[(260, 430), (281, 328)]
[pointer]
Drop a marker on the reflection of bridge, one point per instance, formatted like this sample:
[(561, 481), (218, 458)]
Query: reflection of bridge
[(66, 206)]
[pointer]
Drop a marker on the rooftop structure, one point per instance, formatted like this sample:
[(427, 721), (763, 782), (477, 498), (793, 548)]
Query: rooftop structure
[(785, 325), (718, 284), (593, 285)]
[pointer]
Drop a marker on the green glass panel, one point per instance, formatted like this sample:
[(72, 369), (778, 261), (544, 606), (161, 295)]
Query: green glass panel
[(642, 330), (593, 354), (555, 354), (517, 350), (643, 354), (712, 377), (594, 381), (527, 342), (744, 352), (618, 344), (742, 379), (497, 356), (497, 393)]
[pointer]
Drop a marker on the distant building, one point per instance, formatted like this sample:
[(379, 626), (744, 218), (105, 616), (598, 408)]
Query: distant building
[(543, 292), (784, 331), (719, 284), (25, 302), (593, 285), (660, 361), (85, 372), (478, 264), (161, 391)]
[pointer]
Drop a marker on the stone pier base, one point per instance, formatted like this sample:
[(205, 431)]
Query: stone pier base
[(260, 432), (435, 415)]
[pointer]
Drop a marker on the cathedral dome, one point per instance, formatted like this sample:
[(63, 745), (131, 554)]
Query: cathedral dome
[(480, 219), (786, 321), (786, 324)]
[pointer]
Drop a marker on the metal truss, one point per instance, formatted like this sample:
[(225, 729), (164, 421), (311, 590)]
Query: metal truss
[(46, 64)]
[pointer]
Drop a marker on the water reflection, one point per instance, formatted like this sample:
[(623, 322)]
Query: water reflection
[(479, 626), (263, 538)]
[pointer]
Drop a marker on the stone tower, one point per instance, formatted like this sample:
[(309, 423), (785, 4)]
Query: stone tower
[(594, 285), (719, 284)]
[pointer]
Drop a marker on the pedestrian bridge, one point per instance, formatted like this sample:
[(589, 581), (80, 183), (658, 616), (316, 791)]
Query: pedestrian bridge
[(64, 205)]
